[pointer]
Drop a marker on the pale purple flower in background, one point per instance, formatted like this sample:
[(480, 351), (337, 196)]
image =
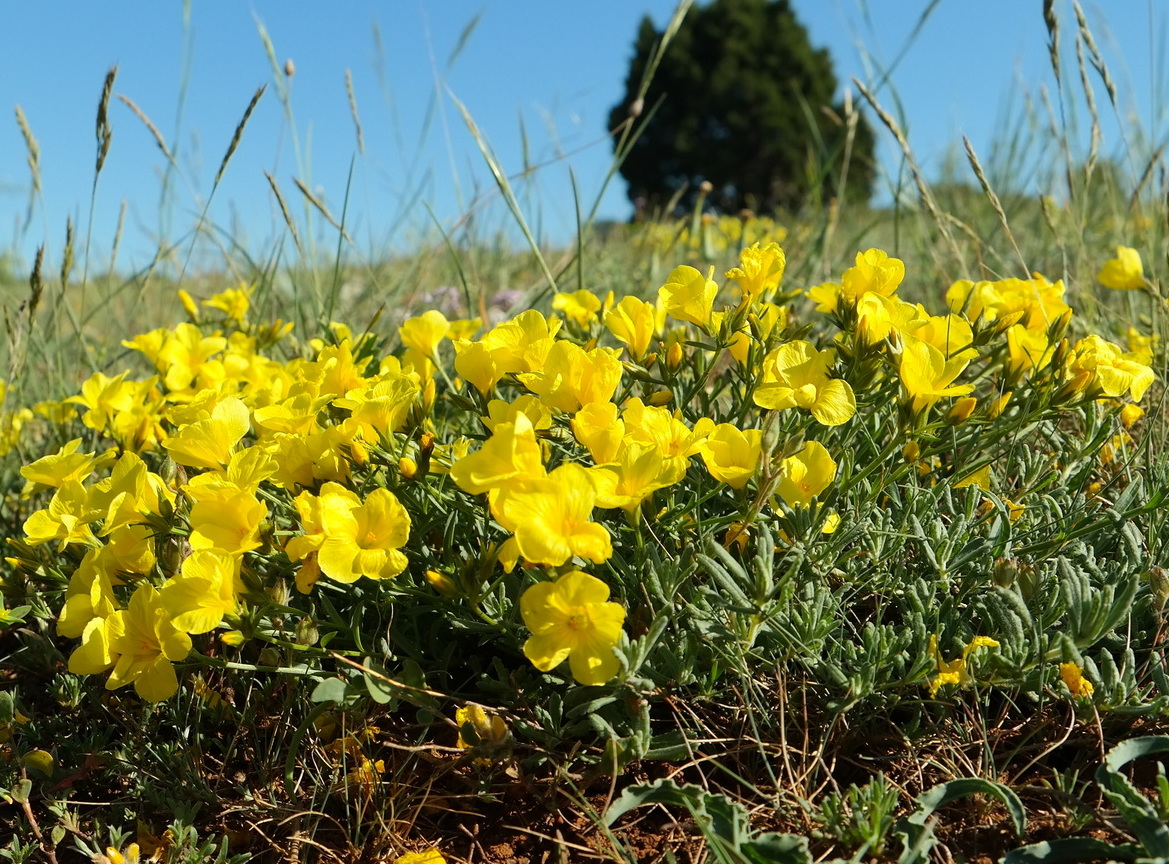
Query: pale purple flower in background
[(501, 305)]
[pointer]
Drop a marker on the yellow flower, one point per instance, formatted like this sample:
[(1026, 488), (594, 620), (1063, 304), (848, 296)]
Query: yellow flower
[(383, 406), (1037, 302), (511, 452), (955, 671), (1073, 676), (296, 415), (760, 272), (950, 334), (130, 492), (549, 517), (210, 442), (660, 428), (1014, 511), (878, 316), (571, 619), (65, 464), (476, 364), (224, 516), (145, 642), (579, 307), (1027, 351), (185, 357), (796, 375), (1115, 372), (633, 322), (826, 296), (426, 856), (732, 454), (599, 428), (482, 728), (203, 592), (1141, 347), (337, 370), (90, 595), (1130, 414), (979, 478), (234, 302), (424, 333), (688, 295), (1124, 272), (635, 473), (132, 855), (927, 375), (361, 538), (518, 345), (66, 519), (805, 475), (571, 377), (874, 271)]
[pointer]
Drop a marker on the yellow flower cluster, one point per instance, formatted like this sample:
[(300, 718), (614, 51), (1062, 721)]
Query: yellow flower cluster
[(227, 466)]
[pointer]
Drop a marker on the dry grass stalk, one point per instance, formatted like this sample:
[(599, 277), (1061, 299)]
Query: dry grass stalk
[(975, 164), (105, 132), (1096, 58), (118, 236), (927, 198), (1052, 22), (239, 133), (320, 206), (67, 258), (33, 148), (36, 283), (284, 210), (1090, 99), (353, 110), (146, 121), (1146, 176)]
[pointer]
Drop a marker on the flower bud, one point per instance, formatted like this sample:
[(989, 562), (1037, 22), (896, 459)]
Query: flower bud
[(1077, 386), (661, 397), (189, 306), (1006, 571), (306, 632), (737, 535), (1130, 414), (1006, 322), (674, 356), (442, 583), (998, 406), (962, 410), (425, 449), (1059, 327), (1159, 582)]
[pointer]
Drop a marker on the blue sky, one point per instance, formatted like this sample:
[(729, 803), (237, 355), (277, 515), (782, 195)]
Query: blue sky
[(551, 69)]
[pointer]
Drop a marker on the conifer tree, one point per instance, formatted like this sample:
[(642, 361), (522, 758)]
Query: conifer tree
[(743, 101)]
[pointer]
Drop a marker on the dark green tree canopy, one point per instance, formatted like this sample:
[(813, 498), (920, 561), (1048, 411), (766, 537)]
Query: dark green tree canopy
[(741, 99)]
